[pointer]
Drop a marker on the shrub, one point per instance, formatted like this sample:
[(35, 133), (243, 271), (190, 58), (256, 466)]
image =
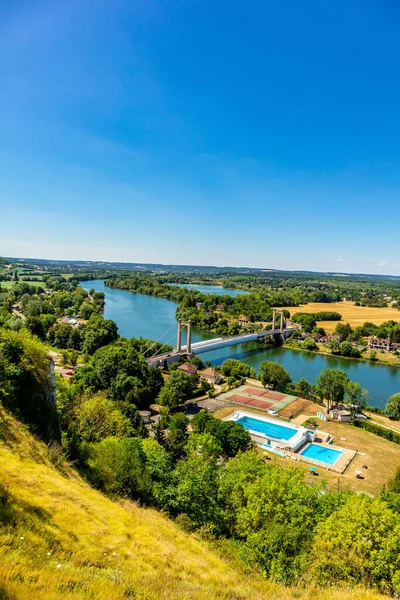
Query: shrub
[(388, 434)]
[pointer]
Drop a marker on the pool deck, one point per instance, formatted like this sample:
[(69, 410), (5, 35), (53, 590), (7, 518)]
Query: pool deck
[(339, 467)]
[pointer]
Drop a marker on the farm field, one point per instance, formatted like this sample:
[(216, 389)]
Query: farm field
[(8, 284), (354, 315)]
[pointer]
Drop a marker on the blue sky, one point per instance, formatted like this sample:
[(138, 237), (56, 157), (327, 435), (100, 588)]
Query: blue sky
[(258, 133)]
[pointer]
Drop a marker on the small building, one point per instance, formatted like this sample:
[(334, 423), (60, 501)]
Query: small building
[(211, 375), (340, 413), (219, 308), (188, 368), (199, 305), (379, 344), (243, 320)]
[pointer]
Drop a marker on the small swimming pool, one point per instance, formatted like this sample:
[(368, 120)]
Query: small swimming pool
[(322, 453), (267, 428)]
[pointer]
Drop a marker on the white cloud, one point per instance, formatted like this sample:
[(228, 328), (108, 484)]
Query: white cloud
[(382, 263), (340, 258)]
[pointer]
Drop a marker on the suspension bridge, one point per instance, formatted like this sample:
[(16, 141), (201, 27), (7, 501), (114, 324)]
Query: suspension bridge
[(193, 349)]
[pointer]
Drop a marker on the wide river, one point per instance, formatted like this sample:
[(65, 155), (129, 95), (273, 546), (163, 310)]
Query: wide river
[(153, 318)]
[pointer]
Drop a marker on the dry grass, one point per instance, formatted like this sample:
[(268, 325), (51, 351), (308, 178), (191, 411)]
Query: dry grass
[(354, 315), (60, 539)]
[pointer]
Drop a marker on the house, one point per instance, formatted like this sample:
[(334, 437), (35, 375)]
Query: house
[(340, 413), (219, 308), (379, 344), (199, 305), (211, 375), (243, 320), (188, 368)]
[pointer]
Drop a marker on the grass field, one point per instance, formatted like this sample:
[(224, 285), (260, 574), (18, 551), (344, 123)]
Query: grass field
[(381, 456), (8, 284), (354, 315), (60, 539)]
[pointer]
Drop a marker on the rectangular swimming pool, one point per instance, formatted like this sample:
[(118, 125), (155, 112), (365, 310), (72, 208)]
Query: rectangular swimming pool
[(322, 453), (267, 428)]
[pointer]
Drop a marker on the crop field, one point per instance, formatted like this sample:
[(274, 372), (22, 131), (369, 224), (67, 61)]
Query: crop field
[(354, 315), (8, 284)]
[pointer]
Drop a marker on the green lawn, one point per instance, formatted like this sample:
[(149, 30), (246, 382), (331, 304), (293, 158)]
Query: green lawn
[(8, 284)]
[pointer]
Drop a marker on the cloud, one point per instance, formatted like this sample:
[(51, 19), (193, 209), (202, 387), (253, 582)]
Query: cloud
[(382, 263), (340, 259)]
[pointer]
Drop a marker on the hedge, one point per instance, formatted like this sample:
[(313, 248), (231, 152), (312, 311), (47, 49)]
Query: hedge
[(381, 431)]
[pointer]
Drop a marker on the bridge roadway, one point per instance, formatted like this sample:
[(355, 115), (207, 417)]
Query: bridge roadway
[(217, 343)]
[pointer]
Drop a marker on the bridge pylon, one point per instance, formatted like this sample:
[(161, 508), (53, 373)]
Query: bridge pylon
[(181, 325), (275, 312)]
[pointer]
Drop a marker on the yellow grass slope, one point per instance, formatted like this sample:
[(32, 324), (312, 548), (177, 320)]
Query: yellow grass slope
[(61, 539)]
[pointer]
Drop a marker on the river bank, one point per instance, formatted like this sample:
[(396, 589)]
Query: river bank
[(151, 317), (384, 359)]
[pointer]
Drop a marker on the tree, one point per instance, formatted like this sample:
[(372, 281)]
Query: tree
[(331, 386), (118, 466), (96, 418), (310, 344), (334, 346), (356, 396), (346, 349), (358, 543), (178, 388), (277, 522), (304, 388), (274, 375), (343, 331), (86, 310), (205, 444), (393, 406), (237, 369)]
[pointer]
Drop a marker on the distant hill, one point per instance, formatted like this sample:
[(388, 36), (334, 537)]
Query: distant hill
[(89, 265)]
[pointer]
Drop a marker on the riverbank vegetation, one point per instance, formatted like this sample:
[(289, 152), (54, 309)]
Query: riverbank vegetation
[(207, 478)]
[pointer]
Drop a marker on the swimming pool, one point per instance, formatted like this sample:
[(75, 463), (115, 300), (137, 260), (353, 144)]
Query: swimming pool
[(322, 453), (267, 428)]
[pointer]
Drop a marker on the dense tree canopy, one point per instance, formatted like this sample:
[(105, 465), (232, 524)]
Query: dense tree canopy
[(274, 375)]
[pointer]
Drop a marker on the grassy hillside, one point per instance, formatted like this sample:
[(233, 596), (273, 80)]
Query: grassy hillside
[(61, 539)]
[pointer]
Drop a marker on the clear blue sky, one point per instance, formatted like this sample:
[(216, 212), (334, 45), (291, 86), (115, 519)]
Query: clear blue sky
[(257, 133)]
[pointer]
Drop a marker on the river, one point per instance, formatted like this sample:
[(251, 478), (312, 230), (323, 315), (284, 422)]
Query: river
[(138, 315)]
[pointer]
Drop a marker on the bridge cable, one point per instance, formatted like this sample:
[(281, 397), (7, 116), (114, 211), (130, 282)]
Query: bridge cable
[(161, 351), (158, 341)]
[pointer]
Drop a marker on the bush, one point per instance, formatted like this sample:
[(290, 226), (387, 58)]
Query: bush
[(388, 434)]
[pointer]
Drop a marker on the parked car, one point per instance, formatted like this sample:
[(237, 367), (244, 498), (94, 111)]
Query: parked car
[(191, 408), (272, 412), (69, 373)]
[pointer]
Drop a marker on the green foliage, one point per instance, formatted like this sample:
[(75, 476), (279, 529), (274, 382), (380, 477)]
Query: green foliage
[(358, 543), (237, 369), (27, 387), (96, 418), (231, 436), (356, 395), (388, 434), (343, 331), (178, 388), (310, 344), (118, 466), (274, 375), (393, 406), (331, 386)]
